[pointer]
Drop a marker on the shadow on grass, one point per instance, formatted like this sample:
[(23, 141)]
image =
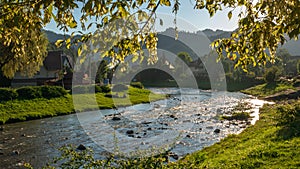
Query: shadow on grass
[(270, 86), (289, 121)]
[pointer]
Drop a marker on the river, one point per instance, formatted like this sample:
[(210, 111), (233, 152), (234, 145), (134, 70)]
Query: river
[(184, 123)]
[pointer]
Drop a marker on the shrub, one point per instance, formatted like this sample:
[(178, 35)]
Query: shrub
[(119, 87), (105, 89), (137, 85), (53, 91), (7, 94), (29, 92), (272, 74), (98, 89)]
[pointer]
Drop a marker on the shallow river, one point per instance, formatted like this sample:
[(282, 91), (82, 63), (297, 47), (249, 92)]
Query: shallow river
[(182, 124)]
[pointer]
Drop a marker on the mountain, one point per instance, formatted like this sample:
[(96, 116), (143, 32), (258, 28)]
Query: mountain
[(196, 44), (53, 37)]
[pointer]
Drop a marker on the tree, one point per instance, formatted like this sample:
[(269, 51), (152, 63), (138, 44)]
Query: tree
[(262, 25), (272, 74), (184, 56), (23, 46), (102, 71)]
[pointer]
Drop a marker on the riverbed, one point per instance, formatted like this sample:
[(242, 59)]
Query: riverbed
[(186, 122)]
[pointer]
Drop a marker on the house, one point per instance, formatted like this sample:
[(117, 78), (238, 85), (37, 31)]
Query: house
[(53, 72)]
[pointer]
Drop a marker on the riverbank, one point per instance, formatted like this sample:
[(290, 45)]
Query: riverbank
[(273, 142), (22, 110)]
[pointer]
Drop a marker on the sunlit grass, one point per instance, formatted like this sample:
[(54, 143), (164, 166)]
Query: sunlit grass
[(20, 110), (268, 89)]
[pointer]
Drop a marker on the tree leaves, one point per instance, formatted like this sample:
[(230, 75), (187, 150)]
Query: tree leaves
[(262, 27)]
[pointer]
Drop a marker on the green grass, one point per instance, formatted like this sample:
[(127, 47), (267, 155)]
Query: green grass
[(268, 144), (268, 89), (21, 110)]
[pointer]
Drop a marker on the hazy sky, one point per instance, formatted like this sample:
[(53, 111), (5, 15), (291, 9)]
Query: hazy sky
[(187, 14)]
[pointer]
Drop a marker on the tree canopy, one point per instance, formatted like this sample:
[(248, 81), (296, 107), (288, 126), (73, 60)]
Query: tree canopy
[(263, 25)]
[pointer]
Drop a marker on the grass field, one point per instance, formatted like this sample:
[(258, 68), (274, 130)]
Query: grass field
[(21, 110)]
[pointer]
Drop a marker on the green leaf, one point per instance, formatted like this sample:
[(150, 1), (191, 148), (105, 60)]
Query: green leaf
[(59, 42), (229, 15), (165, 2)]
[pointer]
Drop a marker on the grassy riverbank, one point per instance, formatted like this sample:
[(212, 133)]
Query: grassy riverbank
[(21, 110), (273, 142), (268, 89)]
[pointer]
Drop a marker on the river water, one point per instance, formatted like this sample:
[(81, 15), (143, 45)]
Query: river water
[(182, 124)]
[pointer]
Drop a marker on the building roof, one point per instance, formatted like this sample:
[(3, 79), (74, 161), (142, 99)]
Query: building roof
[(55, 60)]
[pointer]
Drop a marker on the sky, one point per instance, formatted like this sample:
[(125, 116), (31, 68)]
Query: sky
[(187, 16)]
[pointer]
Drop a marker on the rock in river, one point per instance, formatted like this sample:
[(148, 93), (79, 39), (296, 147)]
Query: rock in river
[(116, 118), (217, 131), (81, 147), (129, 132)]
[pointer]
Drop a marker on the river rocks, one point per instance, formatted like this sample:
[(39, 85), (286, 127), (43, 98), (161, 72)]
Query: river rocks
[(173, 155), (116, 118), (15, 152), (173, 116), (129, 132), (81, 147), (1, 128), (146, 122), (217, 131)]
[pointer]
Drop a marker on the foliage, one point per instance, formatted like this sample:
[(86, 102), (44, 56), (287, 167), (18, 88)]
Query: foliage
[(71, 157), (52, 91), (47, 92), (262, 28), (272, 74), (7, 94), (29, 92), (184, 56), (102, 71), (105, 89), (289, 119), (137, 85), (119, 87), (23, 47)]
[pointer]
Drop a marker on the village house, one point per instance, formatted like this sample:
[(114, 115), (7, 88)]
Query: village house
[(53, 72)]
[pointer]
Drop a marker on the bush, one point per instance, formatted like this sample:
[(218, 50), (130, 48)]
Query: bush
[(119, 87), (272, 74), (98, 89), (52, 91), (137, 85), (105, 89), (29, 92), (7, 94)]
